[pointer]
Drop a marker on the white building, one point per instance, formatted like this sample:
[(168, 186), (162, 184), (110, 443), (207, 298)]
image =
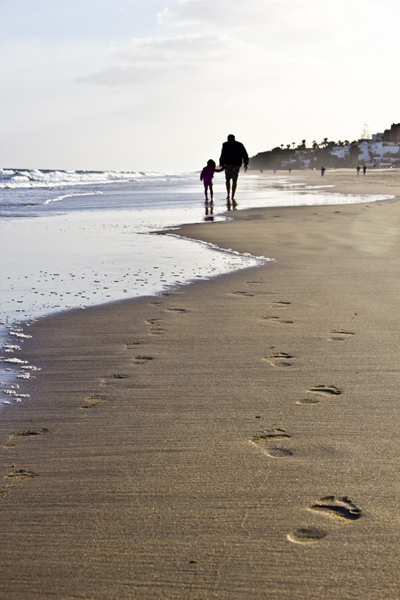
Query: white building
[(378, 152), (340, 151)]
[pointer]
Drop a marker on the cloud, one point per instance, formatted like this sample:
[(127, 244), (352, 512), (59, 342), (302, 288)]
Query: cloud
[(244, 46), (222, 14), (285, 21), (181, 60)]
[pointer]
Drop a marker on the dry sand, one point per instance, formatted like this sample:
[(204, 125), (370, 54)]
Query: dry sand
[(238, 438), (346, 181)]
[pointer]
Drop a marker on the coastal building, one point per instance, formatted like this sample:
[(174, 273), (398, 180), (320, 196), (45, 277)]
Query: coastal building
[(380, 154)]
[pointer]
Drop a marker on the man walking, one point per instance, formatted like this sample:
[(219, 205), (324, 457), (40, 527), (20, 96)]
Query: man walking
[(233, 154)]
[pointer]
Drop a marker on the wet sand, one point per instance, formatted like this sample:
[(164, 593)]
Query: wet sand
[(237, 438)]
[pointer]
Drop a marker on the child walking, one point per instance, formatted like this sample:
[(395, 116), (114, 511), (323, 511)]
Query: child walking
[(206, 177)]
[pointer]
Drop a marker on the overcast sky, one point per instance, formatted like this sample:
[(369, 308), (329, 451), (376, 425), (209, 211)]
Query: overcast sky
[(159, 84)]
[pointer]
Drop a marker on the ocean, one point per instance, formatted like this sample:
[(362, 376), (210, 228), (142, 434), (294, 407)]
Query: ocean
[(74, 239)]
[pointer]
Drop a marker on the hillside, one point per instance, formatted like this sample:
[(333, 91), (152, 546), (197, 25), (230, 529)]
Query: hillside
[(381, 151)]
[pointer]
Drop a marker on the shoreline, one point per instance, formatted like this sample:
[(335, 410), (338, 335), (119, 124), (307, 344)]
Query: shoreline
[(51, 279), (233, 437), (346, 181)]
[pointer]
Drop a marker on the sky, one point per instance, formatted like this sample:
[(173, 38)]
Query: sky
[(157, 85)]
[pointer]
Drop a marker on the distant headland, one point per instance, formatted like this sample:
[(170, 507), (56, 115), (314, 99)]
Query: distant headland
[(381, 150)]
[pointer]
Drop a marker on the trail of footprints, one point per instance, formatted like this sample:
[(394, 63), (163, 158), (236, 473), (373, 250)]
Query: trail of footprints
[(19, 475), (340, 508), (272, 441), (269, 441), (90, 402)]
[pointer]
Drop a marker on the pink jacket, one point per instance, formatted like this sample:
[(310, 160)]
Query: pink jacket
[(209, 172)]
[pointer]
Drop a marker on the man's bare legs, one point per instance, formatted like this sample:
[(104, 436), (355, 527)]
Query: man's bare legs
[(234, 184), (228, 188)]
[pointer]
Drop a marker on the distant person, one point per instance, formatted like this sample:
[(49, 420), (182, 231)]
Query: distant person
[(233, 154), (323, 171), (358, 170), (206, 176), (364, 169)]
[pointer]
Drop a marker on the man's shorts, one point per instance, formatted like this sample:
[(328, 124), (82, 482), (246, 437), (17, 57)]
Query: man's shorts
[(232, 171)]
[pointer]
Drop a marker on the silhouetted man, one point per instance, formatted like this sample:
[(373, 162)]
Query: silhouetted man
[(233, 154)]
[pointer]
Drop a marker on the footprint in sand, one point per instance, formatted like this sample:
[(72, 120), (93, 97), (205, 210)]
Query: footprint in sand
[(325, 390), (265, 439), (3, 491), (339, 507), (276, 433), (17, 438), (21, 475), (274, 319), (278, 452), (94, 400), (15, 477), (308, 401), (110, 379), (328, 390), (156, 330), (339, 335), (280, 303), (306, 535), (132, 345), (141, 359), (240, 293), (279, 359), (177, 310)]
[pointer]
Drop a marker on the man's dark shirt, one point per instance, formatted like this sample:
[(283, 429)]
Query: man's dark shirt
[(233, 153)]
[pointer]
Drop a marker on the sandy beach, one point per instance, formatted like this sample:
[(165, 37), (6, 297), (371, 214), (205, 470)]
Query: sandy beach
[(237, 438)]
